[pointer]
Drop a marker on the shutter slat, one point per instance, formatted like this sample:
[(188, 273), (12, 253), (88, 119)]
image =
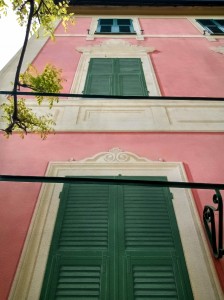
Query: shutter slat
[(156, 280), (89, 219), (144, 220)]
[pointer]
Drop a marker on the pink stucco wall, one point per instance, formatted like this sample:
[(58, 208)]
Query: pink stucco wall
[(168, 26), (183, 66), (80, 26), (201, 153)]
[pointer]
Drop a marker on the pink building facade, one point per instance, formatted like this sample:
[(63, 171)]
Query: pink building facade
[(181, 139)]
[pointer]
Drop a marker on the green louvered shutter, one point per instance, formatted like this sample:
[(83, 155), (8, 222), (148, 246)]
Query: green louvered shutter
[(116, 243), (100, 77), (130, 77), (115, 76), (152, 253), (78, 258)]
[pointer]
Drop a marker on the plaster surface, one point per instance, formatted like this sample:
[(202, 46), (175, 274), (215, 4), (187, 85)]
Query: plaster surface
[(201, 154)]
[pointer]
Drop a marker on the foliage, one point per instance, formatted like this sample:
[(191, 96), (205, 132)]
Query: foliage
[(45, 13), (32, 13), (50, 81), (28, 120), (3, 8)]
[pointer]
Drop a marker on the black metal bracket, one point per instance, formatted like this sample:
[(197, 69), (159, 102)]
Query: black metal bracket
[(214, 228)]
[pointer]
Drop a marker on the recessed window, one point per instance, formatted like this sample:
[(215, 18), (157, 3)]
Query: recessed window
[(102, 231), (115, 76), (214, 27), (115, 26)]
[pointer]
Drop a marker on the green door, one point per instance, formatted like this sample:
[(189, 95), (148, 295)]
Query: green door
[(115, 76), (116, 243)]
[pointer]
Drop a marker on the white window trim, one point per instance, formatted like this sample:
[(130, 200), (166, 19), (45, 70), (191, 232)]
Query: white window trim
[(94, 23), (201, 29), (30, 272), (114, 48)]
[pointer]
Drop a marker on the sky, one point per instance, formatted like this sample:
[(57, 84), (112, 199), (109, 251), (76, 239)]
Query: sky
[(11, 37)]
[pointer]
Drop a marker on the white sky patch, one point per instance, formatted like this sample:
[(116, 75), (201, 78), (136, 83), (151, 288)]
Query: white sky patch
[(11, 37)]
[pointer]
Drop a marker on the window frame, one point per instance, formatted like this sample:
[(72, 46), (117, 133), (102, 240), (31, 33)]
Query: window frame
[(215, 22), (115, 49), (137, 34), (115, 27)]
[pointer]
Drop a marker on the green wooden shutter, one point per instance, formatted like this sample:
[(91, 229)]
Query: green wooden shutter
[(130, 77), (153, 254), (78, 258), (100, 79), (116, 243), (116, 76)]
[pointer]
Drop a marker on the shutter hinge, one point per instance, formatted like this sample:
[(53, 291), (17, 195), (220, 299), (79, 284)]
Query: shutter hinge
[(171, 195)]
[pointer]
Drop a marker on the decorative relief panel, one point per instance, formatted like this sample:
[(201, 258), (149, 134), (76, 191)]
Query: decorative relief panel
[(134, 115), (116, 155), (115, 46)]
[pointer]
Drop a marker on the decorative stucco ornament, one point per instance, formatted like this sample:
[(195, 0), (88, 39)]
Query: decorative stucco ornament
[(116, 155), (116, 46), (218, 49)]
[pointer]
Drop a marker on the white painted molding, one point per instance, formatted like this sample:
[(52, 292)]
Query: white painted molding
[(94, 23), (116, 155), (114, 46), (28, 280), (218, 49), (201, 29), (116, 115)]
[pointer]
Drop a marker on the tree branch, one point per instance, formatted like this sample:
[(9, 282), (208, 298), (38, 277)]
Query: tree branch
[(38, 9), (15, 117), (26, 86), (46, 7), (22, 6)]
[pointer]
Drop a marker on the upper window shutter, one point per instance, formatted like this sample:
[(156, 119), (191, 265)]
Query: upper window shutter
[(115, 76), (130, 77), (99, 79)]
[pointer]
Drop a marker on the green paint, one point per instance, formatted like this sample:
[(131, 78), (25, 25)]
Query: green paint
[(116, 242), (115, 76)]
